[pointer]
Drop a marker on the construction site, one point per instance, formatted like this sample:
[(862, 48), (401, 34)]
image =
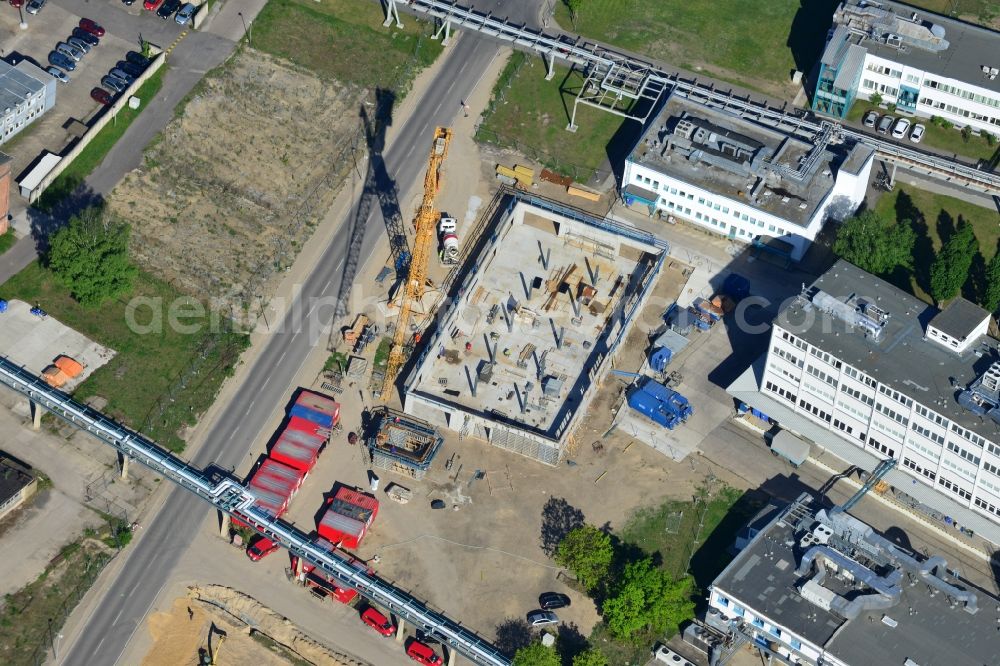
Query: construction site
[(533, 316)]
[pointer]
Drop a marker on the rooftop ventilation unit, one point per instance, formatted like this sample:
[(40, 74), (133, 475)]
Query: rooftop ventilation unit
[(895, 41)]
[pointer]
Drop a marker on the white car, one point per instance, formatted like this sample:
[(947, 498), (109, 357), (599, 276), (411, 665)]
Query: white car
[(57, 74), (918, 133), (540, 618), (900, 129)]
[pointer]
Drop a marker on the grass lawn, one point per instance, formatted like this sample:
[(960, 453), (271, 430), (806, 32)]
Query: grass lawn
[(530, 114), (158, 382), (935, 215), (686, 537), (755, 44), (35, 613), (939, 138), (7, 240), (382, 352), (71, 177), (980, 11), (345, 40)]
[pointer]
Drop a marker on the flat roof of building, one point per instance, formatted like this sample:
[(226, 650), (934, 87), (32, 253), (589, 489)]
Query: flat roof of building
[(16, 84), (530, 368), (926, 625), (13, 477), (901, 357), (959, 318), (969, 47), (743, 161)]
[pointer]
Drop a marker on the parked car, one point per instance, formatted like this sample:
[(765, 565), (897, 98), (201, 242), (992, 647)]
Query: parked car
[(70, 52), (114, 84), (35, 6), (168, 8), (124, 76), (129, 67), (540, 618), (101, 96), (59, 60), (79, 45), (16, 3), (885, 123), (137, 58), (553, 600), (185, 14), (422, 653), (378, 622), (900, 129), (918, 133), (151, 5), (85, 36), (91, 26), (260, 547), (870, 119), (57, 74)]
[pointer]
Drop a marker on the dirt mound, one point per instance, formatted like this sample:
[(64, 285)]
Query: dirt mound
[(236, 183), (241, 609)]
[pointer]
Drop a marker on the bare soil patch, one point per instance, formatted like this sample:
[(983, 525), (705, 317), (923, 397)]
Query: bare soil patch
[(240, 178)]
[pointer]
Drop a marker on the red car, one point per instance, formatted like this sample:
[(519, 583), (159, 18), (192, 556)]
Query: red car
[(16, 3), (423, 654), (151, 4), (92, 27), (260, 547), (101, 96), (378, 622)]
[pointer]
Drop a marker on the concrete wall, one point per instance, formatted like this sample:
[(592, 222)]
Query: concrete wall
[(103, 119)]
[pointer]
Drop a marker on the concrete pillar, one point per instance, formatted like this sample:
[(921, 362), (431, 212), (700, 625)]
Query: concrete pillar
[(451, 656), (392, 14), (550, 70), (225, 523), (299, 569), (36, 416), (122, 465), (400, 629)]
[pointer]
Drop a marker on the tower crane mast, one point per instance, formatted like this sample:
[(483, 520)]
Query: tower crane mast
[(413, 289)]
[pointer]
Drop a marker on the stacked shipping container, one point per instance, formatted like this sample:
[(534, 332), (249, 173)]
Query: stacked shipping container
[(347, 517)]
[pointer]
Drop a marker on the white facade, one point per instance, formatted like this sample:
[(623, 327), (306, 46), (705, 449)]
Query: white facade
[(26, 92), (960, 102), (737, 218), (937, 452)]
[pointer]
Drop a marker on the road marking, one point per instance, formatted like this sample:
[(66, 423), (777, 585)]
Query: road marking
[(249, 407), (179, 38), (96, 649), (283, 355)]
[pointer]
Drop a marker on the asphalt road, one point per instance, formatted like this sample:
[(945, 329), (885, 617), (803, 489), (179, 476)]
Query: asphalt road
[(176, 524)]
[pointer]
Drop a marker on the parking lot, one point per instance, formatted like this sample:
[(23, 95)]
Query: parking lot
[(54, 24)]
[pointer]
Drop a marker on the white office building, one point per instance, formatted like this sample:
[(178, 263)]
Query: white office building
[(754, 184), (869, 372), (926, 64), (26, 92), (819, 587)]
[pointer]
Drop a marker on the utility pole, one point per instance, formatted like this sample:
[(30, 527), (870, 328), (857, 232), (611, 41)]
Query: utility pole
[(247, 30)]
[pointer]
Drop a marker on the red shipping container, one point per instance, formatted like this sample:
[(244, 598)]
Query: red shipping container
[(274, 485), (304, 425), (347, 518), (297, 449)]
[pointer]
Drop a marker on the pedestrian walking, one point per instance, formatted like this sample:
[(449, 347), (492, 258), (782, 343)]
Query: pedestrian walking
[(190, 614), (465, 108)]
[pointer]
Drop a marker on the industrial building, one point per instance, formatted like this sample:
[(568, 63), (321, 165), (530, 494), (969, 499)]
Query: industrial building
[(26, 92), (818, 586), (17, 484), (533, 317), (347, 518), (924, 63), (869, 372), (751, 183)]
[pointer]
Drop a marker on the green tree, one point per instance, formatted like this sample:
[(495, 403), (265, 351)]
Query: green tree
[(574, 7), (891, 107), (875, 98), (966, 133), (874, 244), (951, 267), (587, 552), (590, 657), (648, 598), (89, 256), (536, 654), (991, 299)]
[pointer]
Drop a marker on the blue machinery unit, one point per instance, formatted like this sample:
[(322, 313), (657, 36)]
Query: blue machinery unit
[(233, 498)]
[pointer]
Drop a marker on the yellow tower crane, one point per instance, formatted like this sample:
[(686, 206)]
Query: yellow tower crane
[(425, 222)]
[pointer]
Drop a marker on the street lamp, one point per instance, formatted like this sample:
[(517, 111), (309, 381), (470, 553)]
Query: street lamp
[(24, 24), (247, 30)]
